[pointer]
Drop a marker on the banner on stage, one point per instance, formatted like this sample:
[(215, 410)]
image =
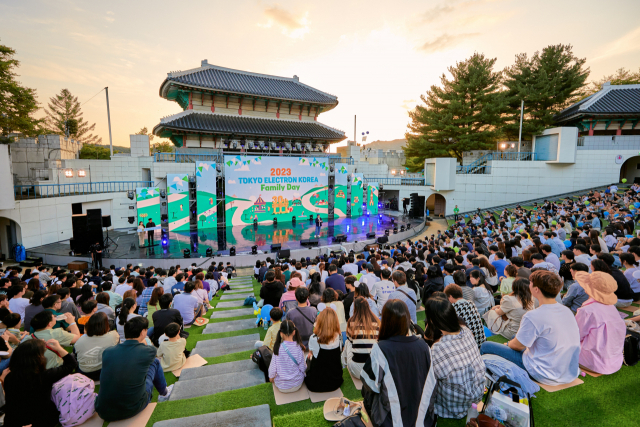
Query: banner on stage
[(178, 195), (264, 188), (357, 194), (372, 198), (206, 195), (148, 204), (340, 196)]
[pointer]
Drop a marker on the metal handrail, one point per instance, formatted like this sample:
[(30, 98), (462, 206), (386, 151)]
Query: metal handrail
[(39, 191), (218, 157), (395, 181)]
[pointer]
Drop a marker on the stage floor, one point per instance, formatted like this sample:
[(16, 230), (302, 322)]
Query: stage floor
[(243, 237)]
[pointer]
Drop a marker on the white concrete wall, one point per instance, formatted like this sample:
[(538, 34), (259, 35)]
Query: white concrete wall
[(445, 176), (6, 179), (567, 143)]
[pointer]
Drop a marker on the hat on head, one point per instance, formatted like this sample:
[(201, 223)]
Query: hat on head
[(295, 283), (599, 285), (313, 270)]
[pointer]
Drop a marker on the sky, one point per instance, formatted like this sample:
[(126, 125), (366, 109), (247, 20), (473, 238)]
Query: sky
[(377, 57)]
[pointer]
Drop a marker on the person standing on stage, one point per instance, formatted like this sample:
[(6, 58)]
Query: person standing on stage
[(141, 234), (150, 232), (318, 224), (96, 254)]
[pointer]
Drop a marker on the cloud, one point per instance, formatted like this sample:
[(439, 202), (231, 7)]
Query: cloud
[(205, 166), (628, 43), (409, 104), (436, 12), (232, 181), (178, 181), (445, 41), (243, 168), (291, 26), (253, 198)]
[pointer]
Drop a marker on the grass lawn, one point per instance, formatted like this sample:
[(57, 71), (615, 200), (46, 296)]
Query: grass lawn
[(604, 401)]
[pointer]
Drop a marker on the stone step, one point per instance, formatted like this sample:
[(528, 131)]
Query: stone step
[(221, 342), (231, 313), (224, 350), (227, 304), (241, 279), (255, 416), (212, 385), (237, 291), (234, 325), (235, 296), (220, 368)]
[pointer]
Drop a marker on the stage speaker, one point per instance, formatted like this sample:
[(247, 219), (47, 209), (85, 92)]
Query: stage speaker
[(79, 223), (340, 238), (382, 239), (106, 220), (371, 235), (80, 236), (76, 208), (232, 251), (310, 242), (275, 247), (94, 226), (417, 206), (285, 253)]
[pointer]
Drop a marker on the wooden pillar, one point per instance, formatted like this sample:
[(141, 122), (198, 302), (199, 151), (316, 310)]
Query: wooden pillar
[(591, 126), (213, 101), (190, 107)]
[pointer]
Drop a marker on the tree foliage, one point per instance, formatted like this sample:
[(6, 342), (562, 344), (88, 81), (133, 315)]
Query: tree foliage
[(163, 146), (622, 76), (94, 151), (462, 114), (145, 131), (17, 103), (548, 82), (63, 107)]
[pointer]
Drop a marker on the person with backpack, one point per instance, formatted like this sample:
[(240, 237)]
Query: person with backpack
[(288, 299), (271, 290), (303, 315), (287, 368)]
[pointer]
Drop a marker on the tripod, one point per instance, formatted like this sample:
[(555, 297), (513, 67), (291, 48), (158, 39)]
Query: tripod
[(107, 243)]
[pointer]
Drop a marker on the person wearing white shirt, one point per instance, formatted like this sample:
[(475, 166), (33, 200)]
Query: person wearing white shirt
[(122, 287), (350, 267), (168, 282), (17, 304), (370, 279), (550, 257), (383, 288), (581, 255)]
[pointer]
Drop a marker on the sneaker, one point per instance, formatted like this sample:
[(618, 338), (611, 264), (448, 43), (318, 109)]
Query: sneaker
[(164, 398)]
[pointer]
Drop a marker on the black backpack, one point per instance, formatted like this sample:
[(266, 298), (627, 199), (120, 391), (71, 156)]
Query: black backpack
[(262, 356), (631, 349)]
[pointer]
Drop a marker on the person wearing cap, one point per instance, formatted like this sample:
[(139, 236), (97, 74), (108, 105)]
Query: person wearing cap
[(602, 331), (288, 300)]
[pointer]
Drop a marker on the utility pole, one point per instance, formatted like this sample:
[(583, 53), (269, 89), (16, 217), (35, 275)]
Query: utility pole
[(106, 90), (520, 133)]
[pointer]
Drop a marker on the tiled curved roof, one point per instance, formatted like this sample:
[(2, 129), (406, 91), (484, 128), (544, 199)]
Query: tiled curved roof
[(224, 79), (238, 125), (612, 100)]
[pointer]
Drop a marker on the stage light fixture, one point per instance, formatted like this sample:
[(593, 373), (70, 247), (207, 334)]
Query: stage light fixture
[(332, 168), (308, 147), (272, 145), (395, 230), (186, 253), (298, 146), (254, 250), (165, 242), (401, 228), (82, 173), (163, 194), (130, 195), (255, 223), (68, 173), (288, 146), (131, 219), (386, 232), (310, 217), (250, 145), (275, 221), (209, 253), (232, 251), (219, 167), (234, 144), (261, 145), (293, 219)]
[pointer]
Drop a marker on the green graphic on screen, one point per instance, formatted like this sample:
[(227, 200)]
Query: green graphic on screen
[(206, 195), (148, 204), (372, 198), (178, 194)]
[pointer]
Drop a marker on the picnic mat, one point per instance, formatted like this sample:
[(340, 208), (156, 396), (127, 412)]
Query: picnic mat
[(552, 388), (588, 372), (357, 382), (623, 315), (284, 398), (200, 321), (139, 420), (321, 397), (94, 421), (194, 361)]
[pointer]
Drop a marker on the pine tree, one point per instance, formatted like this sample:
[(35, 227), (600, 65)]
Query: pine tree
[(63, 107), (462, 114), (17, 103), (548, 82), (621, 77)]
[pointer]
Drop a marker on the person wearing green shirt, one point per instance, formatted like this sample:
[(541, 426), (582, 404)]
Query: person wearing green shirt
[(456, 211)]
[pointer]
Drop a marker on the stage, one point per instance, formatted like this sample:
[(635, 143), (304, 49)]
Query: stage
[(242, 238)]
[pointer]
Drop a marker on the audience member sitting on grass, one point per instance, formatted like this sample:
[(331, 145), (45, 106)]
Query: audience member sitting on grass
[(164, 316), (383, 288), (434, 282), (271, 290), (188, 305), (505, 285), (547, 344), (67, 305), (43, 324), (362, 333), (398, 384), (115, 299), (103, 307), (335, 280), (466, 310), (29, 382), (602, 331), (456, 362), (325, 346), (623, 292), (130, 371), (17, 303), (153, 304), (34, 307), (575, 296), (88, 307), (127, 312), (172, 351), (272, 333), (363, 291), (504, 319), (482, 292), (404, 293), (288, 300), (303, 316), (89, 347), (287, 368)]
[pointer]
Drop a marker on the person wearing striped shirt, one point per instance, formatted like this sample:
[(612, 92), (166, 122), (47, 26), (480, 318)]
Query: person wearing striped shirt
[(288, 365), (362, 333)]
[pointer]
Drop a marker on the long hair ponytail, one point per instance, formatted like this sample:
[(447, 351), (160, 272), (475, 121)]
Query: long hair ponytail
[(287, 328), (127, 304)]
